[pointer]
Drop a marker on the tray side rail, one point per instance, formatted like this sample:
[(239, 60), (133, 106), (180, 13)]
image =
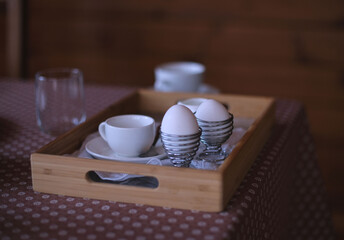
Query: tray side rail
[(179, 188), (238, 163)]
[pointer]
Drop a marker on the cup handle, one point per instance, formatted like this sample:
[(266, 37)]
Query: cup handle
[(101, 130), (166, 84), (163, 85)]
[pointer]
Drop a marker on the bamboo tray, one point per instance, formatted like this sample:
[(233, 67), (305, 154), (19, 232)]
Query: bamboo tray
[(186, 188)]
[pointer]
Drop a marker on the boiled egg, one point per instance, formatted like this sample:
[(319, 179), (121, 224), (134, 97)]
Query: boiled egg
[(212, 110), (191, 103), (179, 120)]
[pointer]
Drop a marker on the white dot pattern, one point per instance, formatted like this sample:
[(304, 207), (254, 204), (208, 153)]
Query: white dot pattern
[(281, 197)]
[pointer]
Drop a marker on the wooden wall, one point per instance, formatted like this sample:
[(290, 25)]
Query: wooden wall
[(3, 71), (289, 49)]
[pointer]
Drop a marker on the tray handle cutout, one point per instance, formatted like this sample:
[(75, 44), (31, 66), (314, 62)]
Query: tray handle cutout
[(125, 179)]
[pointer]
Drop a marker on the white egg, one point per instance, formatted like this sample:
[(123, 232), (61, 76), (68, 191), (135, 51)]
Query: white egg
[(212, 110), (179, 120), (191, 103)]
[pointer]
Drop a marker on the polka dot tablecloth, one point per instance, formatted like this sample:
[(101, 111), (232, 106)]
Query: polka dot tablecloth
[(282, 196)]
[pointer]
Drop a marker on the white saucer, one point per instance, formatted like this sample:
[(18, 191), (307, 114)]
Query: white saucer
[(203, 88), (99, 149)]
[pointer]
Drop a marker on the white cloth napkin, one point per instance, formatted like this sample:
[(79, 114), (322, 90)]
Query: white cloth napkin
[(238, 132), (110, 175)]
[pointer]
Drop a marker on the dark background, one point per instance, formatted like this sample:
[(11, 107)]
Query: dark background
[(288, 49)]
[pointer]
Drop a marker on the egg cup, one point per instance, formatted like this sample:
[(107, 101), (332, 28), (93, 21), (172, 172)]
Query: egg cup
[(181, 149), (214, 134)]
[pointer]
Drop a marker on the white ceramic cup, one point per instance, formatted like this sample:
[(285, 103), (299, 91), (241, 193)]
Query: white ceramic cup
[(128, 135), (179, 77)]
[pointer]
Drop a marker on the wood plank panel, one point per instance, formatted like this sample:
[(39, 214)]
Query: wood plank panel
[(277, 79), (3, 63), (319, 11), (244, 42), (325, 47)]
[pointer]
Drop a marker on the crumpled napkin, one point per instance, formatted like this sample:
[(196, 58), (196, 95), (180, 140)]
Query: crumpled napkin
[(111, 175), (227, 147), (124, 176)]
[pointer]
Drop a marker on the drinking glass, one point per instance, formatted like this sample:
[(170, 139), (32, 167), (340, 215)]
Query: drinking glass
[(60, 103)]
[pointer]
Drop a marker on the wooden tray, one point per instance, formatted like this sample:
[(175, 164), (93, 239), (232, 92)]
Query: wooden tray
[(206, 190)]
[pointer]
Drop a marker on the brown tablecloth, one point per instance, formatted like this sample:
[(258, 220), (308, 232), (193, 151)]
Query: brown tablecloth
[(282, 196)]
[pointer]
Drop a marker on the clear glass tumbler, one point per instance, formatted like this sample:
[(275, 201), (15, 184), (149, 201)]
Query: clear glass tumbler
[(60, 101)]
